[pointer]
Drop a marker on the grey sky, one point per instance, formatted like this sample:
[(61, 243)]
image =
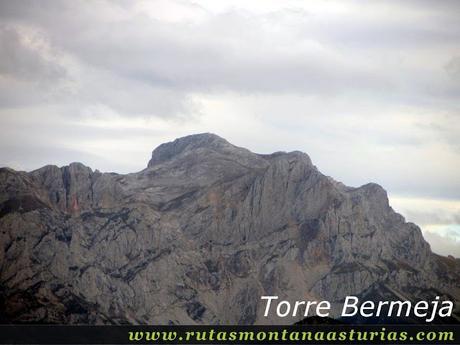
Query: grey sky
[(369, 89)]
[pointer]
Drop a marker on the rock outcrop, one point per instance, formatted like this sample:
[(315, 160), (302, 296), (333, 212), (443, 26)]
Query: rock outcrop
[(198, 236)]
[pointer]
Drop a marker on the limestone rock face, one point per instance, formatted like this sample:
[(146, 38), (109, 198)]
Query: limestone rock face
[(198, 236)]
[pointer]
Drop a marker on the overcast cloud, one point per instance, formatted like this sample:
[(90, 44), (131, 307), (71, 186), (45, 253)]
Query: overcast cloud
[(369, 89)]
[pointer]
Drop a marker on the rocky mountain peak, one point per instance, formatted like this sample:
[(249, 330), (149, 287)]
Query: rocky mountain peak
[(199, 236), (210, 147), (174, 148)]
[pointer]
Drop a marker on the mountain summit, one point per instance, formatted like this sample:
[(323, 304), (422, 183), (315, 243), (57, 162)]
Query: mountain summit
[(199, 236), (207, 141)]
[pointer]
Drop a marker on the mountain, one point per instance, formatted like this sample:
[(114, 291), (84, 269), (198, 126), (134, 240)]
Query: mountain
[(199, 236)]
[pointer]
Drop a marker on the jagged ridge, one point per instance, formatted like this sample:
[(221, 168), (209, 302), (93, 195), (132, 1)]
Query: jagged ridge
[(199, 236)]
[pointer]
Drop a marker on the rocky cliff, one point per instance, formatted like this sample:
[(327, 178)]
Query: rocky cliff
[(199, 236)]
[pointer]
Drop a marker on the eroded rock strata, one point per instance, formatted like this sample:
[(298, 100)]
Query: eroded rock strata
[(199, 236)]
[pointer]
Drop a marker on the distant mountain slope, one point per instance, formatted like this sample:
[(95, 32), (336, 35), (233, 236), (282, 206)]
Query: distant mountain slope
[(199, 236)]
